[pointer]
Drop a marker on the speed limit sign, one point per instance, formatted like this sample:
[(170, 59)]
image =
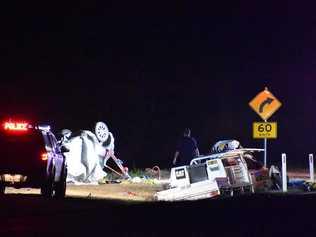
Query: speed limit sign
[(264, 130)]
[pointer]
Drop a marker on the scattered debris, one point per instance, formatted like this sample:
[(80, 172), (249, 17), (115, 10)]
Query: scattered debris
[(136, 180), (302, 185), (154, 172), (310, 186), (131, 193)]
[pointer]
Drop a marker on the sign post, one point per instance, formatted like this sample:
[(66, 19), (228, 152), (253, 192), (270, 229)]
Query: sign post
[(265, 104), (311, 167), (265, 150), (284, 174)]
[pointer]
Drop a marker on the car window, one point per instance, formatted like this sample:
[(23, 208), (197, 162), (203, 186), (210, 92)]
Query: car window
[(22, 144), (231, 161), (48, 144), (53, 141)]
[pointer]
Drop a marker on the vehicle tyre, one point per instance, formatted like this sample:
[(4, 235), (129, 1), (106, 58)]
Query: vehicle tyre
[(47, 189), (226, 192), (237, 191), (60, 188), (267, 186), (2, 189), (248, 189), (275, 177)]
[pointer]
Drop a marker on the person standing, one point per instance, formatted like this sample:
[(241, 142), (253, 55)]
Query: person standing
[(186, 149)]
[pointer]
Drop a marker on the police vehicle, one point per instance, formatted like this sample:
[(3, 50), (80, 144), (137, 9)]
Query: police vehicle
[(31, 157)]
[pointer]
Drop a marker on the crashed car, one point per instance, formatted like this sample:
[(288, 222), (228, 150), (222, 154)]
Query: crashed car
[(224, 172)]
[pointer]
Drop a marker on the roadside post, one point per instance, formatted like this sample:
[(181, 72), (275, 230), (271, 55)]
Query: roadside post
[(284, 175), (265, 104), (311, 167)]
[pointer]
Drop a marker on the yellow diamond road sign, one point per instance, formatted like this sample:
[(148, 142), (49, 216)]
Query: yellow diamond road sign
[(265, 104)]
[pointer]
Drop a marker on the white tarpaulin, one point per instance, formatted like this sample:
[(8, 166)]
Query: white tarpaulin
[(87, 153), (90, 155), (85, 158)]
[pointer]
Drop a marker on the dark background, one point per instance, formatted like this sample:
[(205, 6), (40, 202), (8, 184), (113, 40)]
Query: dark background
[(149, 73)]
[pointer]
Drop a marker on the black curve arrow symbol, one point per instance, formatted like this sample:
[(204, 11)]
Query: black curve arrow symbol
[(266, 102)]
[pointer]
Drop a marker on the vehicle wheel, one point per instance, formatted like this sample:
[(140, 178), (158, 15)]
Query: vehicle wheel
[(2, 189), (60, 188), (47, 189), (226, 192), (248, 189), (267, 186), (275, 177), (237, 191)]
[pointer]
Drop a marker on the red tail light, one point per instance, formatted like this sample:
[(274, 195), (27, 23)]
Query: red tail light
[(44, 156)]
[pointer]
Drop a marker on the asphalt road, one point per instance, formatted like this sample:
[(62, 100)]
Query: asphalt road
[(255, 215)]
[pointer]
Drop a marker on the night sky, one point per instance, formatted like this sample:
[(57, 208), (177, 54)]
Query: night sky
[(148, 76)]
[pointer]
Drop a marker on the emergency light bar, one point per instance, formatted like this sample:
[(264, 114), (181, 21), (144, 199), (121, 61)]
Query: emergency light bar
[(21, 126), (15, 126), (43, 127)]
